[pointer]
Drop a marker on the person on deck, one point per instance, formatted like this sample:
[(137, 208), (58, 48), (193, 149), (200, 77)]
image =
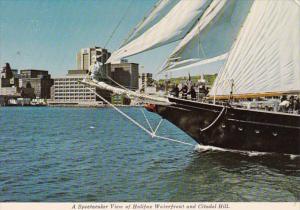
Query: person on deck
[(193, 93), (206, 91), (291, 107), (284, 105), (184, 91), (175, 91), (95, 70), (202, 92), (297, 106)]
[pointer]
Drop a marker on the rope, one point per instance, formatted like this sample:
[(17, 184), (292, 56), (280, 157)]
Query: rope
[(204, 129), (158, 126), (122, 113), (147, 121), (140, 23), (118, 83), (173, 140), (152, 134), (117, 26)]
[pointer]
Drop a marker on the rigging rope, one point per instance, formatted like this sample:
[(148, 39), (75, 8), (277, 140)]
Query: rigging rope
[(118, 25), (158, 126), (140, 23), (221, 112), (152, 134), (147, 121)]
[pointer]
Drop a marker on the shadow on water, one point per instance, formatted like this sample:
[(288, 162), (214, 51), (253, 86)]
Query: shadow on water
[(280, 163), (228, 176)]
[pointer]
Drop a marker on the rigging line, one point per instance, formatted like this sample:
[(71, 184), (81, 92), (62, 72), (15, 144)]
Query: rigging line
[(122, 113), (166, 64), (140, 23), (147, 120), (125, 88), (158, 125), (118, 25), (136, 123), (173, 140), (204, 129)]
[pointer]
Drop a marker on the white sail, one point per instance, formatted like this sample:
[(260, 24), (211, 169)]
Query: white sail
[(212, 36), (266, 55), (170, 28), (195, 63), (157, 13)]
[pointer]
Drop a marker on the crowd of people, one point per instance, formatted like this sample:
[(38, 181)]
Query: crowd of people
[(197, 91), (289, 105)]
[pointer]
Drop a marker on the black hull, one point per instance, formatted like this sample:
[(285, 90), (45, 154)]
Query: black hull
[(234, 128)]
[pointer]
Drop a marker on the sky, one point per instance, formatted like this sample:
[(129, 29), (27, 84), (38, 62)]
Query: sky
[(47, 34)]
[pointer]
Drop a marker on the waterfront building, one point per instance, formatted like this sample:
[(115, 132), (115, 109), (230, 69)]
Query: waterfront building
[(16, 73), (68, 90), (88, 56), (126, 74), (118, 99), (146, 83), (39, 80), (8, 85), (7, 78)]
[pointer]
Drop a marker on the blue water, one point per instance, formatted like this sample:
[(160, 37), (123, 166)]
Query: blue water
[(73, 154)]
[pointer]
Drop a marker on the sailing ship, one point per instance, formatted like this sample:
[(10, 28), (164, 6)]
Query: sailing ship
[(259, 44)]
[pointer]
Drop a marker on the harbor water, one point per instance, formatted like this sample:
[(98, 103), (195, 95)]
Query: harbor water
[(87, 154)]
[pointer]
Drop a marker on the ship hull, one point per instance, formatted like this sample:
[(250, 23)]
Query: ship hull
[(234, 128)]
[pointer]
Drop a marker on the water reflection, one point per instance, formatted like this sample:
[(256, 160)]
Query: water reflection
[(227, 176)]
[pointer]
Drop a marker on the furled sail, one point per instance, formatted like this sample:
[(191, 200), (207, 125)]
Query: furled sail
[(212, 37), (120, 91), (157, 13), (266, 55), (172, 27)]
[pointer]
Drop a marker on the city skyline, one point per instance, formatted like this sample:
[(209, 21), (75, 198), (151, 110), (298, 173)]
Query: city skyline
[(48, 34)]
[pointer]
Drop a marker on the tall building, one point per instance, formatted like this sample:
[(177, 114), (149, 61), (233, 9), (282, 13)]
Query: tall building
[(88, 56), (39, 80), (126, 74)]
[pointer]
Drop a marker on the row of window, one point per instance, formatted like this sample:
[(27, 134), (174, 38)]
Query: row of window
[(74, 94), (70, 98), (67, 85), (67, 79), (71, 90)]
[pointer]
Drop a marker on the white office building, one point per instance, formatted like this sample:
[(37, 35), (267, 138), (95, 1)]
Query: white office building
[(69, 90)]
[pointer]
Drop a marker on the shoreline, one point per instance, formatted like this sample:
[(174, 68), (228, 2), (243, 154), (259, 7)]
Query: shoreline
[(76, 106)]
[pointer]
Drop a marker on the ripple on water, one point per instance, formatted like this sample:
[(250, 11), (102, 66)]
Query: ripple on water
[(66, 154)]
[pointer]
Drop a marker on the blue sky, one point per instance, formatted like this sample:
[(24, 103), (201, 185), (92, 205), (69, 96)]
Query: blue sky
[(47, 34)]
